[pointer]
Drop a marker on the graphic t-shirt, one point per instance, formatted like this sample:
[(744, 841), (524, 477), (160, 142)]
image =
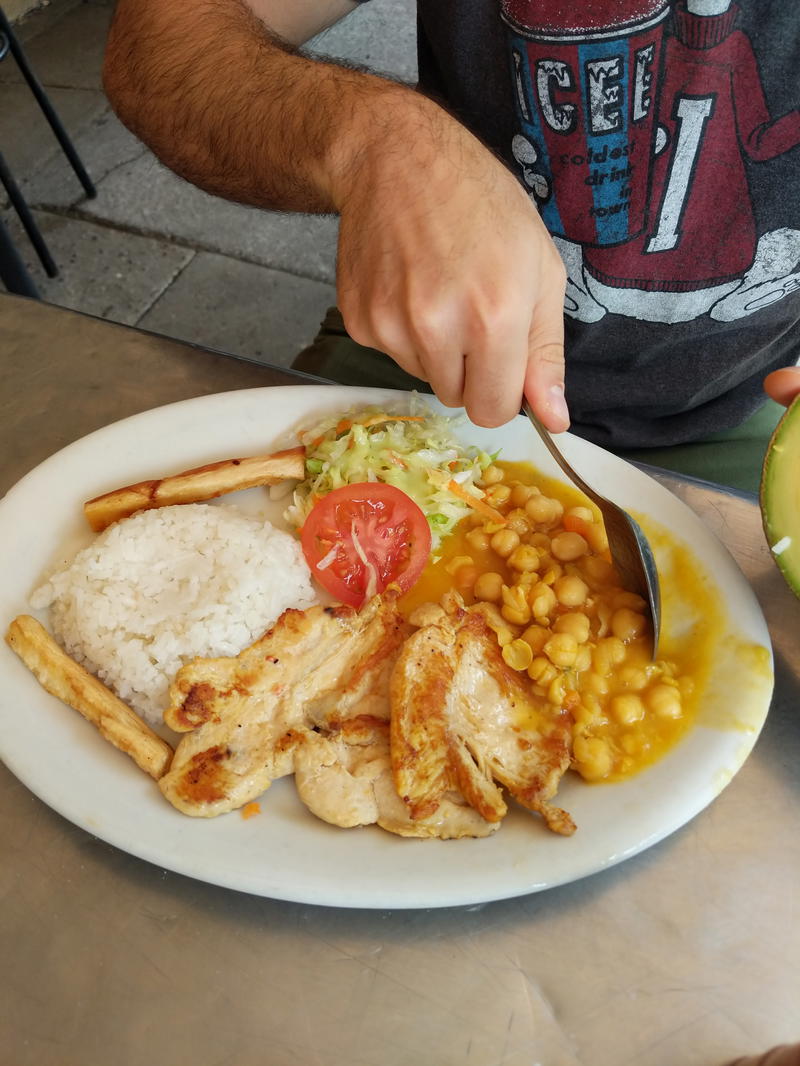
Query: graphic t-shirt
[(662, 149)]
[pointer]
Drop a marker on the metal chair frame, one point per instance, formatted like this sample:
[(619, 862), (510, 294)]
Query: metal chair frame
[(13, 272)]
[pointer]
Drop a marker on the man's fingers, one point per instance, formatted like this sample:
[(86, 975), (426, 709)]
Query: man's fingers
[(783, 385), (496, 354)]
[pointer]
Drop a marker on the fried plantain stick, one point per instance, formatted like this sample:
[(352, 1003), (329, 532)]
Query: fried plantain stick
[(195, 486), (75, 686)]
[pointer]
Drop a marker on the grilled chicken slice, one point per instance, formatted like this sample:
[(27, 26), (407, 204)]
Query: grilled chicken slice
[(246, 717), (345, 778), (462, 719)]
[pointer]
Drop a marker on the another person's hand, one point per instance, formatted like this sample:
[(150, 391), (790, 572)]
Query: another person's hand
[(783, 385), (445, 265)]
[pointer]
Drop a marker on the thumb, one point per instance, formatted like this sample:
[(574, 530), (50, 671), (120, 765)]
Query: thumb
[(544, 377), (783, 386)]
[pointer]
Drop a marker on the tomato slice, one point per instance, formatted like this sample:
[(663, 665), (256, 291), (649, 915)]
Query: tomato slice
[(361, 538)]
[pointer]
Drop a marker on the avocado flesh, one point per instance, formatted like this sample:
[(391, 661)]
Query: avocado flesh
[(780, 496)]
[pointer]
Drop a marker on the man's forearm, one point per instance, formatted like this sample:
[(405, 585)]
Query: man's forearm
[(236, 111)]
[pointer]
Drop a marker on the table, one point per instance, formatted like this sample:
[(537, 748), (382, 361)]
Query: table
[(684, 955)]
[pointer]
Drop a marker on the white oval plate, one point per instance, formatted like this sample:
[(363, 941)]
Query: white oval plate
[(286, 853)]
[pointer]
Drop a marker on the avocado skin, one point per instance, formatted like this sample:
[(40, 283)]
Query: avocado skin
[(779, 496)]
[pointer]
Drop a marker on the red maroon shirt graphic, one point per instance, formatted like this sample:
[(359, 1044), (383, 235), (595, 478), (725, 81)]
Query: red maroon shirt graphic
[(712, 112), (633, 141)]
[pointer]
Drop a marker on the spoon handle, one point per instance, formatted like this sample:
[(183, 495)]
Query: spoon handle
[(551, 446)]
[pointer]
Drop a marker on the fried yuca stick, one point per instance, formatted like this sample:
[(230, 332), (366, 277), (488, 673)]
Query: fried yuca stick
[(75, 686), (195, 486)]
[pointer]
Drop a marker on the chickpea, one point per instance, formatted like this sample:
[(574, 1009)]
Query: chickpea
[(571, 591), (527, 578), (542, 670), (593, 757), (492, 475), (584, 513), (665, 701), (542, 600), (477, 539), (543, 509), (603, 614), (575, 623), (556, 691), (515, 607), (520, 494), (489, 587), (561, 649), (497, 495), (609, 652), (583, 660), (628, 599), (524, 558), (552, 574), (457, 562), (596, 684), (518, 521), (627, 624), (504, 541), (567, 547), (627, 708), (598, 570), (634, 678), (536, 637), (630, 744), (518, 655), (582, 715)]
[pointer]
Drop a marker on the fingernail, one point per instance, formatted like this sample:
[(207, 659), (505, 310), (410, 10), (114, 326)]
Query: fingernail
[(558, 405)]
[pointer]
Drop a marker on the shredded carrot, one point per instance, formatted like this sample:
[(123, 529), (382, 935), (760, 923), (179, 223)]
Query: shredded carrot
[(575, 524), (397, 460), (346, 424), (250, 809), (476, 502)]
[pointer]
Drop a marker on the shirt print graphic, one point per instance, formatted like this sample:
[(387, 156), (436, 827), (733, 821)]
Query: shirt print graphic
[(632, 133)]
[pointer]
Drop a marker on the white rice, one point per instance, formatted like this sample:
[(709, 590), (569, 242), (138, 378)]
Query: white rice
[(167, 585)]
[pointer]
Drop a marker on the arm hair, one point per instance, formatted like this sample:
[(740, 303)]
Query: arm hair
[(237, 110)]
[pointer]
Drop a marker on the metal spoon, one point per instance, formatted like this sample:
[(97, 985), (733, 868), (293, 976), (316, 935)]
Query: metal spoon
[(630, 551)]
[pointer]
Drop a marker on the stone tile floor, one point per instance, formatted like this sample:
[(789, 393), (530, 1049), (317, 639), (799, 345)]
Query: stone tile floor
[(150, 249)]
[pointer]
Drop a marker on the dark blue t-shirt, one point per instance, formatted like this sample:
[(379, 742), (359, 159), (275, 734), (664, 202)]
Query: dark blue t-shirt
[(662, 149)]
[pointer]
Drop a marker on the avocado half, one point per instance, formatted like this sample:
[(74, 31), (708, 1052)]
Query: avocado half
[(780, 496)]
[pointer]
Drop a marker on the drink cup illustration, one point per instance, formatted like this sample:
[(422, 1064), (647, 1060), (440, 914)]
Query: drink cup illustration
[(585, 90)]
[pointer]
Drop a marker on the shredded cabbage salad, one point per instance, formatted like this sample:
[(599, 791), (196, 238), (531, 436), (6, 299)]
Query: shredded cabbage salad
[(415, 450)]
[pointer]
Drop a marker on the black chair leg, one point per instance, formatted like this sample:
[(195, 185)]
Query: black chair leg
[(27, 219), (47, 108), (12, 270)]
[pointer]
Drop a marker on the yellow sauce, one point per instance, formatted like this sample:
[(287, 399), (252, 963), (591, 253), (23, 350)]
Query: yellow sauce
[(627, 713)]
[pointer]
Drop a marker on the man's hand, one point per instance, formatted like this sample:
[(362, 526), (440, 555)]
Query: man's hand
[(444, 262), (445, 265), (783, 385)]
